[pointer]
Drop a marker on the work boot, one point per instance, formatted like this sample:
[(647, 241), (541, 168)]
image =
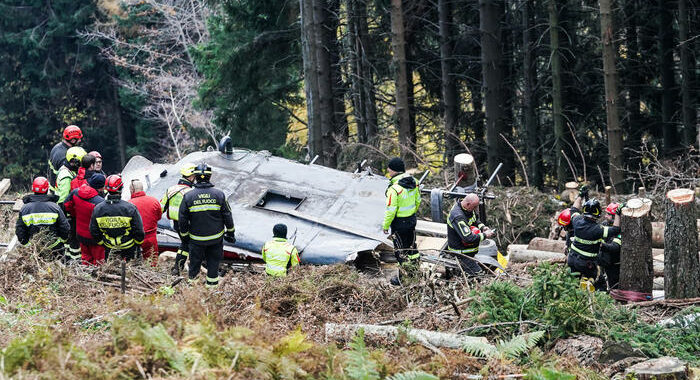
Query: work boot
[(176, 270)]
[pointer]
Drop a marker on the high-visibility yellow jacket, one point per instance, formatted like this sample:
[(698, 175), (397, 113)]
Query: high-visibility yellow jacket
[(279, 254), (170, 203), (65, 175), (402, 199)]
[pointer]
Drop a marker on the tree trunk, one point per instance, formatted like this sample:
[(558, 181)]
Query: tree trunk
[(681, 265), (668, 79), (450, 96), (322, 43), (340, 121), (687, 77), (557, 112), (398, 46), (530, 121), (664, 368), (477, 122), (355, 73), (121, 138), (490, 14), (633, 81), (368, 93), (611, 98), (308, 50), (636, 264)]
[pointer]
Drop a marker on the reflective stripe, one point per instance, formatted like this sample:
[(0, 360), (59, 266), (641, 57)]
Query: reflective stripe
[(207, 238), (114, 221), (55, 243), (415, 256), (232, 229), (113, 244), (589, 242), (275, 268), (40, 218), (617, 241), (582, 252), (605, 232), (468, 250), (407, 208), (213, 279), (183, 253), (205, 208)]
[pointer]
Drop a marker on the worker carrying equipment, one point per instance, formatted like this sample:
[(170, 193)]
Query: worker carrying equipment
[(462, 242), (587, 236), (81, 203), (41, 213), (402, 202), (205, 217), (150, 211), (116, 223), (170, 205), (609, 258), (279, 254), (72, 136)]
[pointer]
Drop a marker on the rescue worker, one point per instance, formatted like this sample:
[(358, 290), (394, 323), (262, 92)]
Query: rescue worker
[(402, 201), (81, 203), (564, 221), (205, 216), (40, 212), (610, 250), (98, 162), (150, 211), (278, 254), (72, 136), (116, 223), (462, 241), (66, 173), (87, 168), (170, 204), (587, 237)]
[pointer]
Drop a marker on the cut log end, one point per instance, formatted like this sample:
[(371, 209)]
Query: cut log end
[(637, 207), (659, 369), (681, 196), (571, 185)]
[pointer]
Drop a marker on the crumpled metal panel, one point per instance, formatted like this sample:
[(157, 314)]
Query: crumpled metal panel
[(340, 215)]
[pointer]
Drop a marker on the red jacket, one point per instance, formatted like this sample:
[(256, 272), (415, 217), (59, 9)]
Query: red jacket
[(80, 179), (150, 211), (80, 203)]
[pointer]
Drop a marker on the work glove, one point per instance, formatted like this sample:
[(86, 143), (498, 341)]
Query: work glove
[(619, 208), (230, 237), (583, 192)]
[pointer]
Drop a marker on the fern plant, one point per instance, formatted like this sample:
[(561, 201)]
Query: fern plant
[(360, 366), (511, 349), (413, 375)]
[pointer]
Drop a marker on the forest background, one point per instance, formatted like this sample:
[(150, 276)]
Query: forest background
[(556, 90)]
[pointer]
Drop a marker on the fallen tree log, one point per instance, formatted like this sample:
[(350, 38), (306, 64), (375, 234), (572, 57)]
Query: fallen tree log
[(636, 264), (385, 335), (519, 255), (542, 244), (681, 264), (4, 186)]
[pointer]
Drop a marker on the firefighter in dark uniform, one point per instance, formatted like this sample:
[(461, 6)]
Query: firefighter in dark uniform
[(461, 239), (610, 250), (116, 223), (205, 217), (72, 136), (587, 237), (170, 205), (402, 201), (564, 221), (40, 212)]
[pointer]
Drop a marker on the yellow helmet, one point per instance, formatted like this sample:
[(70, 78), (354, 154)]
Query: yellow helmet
[(75, 153), (187, 169)]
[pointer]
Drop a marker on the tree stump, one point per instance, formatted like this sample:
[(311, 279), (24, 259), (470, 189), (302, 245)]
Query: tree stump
[(570, 191), (636, 264), (465, 167), (665, 368), (681, 264)]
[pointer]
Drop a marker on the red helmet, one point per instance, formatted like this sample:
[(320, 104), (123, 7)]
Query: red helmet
[(95, 154), (40, 185), (72, 132), (475, 230), (564, 218), (612, 208), (114, 183)]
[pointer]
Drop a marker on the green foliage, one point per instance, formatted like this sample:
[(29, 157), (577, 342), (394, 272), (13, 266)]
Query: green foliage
[(158, 345), (251, 67), (413, 375), (510, 349), (293, 343), (548, 374), (360, 365), (23, 352)]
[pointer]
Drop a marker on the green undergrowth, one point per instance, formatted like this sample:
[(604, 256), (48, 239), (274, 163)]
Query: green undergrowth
[(555, 303)]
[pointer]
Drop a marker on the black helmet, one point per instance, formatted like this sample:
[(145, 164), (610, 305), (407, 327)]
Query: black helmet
[(202, 172), (591, 208)]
